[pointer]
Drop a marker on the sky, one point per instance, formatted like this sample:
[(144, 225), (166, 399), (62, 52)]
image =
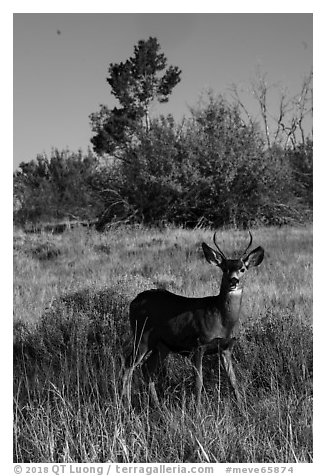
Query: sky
[(60, 64)]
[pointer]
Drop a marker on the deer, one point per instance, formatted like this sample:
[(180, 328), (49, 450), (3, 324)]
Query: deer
[(163, 322)]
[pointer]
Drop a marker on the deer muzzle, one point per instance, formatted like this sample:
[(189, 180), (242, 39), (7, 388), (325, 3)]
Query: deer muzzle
[(233, 283)]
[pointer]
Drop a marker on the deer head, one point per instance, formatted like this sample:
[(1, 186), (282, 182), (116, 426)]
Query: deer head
[(233, 269)]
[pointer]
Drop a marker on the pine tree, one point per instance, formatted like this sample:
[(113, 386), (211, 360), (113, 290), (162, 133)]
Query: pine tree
[(136, 84)]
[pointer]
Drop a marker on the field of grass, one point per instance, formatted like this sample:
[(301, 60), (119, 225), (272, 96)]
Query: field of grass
[(71, 328)]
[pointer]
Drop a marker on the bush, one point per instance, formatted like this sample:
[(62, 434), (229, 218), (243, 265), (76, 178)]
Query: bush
[(215, 171), (212, 170), (55, 188)]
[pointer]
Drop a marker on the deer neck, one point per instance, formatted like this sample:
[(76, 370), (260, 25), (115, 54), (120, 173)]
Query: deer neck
[(230, 306)]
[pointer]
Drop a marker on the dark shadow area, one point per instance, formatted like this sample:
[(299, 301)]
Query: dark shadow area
[(79, 340), (86, 335), (68, 368), (276, 353)]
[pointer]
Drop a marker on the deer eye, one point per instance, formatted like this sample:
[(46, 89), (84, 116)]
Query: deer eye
[(242, 270)]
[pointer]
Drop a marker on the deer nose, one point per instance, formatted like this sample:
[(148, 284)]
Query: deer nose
[(234, 281)]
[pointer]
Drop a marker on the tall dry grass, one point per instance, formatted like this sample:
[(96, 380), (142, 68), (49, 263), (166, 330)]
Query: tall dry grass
[(71, 328)]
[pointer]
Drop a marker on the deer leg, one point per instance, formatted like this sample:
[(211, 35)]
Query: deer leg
[(198, 362), (156, 358), (227, 362)]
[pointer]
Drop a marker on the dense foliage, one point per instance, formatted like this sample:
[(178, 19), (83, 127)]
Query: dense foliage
[(214, 170), (55, 187)]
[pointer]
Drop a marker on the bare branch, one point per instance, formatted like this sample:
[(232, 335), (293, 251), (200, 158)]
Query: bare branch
[(260, 90), (236, 97)]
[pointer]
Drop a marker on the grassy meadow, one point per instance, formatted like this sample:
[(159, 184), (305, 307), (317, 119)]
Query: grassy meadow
[(71, 328)]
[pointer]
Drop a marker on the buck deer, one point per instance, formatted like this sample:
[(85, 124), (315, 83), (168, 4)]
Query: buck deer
[(163, 322)]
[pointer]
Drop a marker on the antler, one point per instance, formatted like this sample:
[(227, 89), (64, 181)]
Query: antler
[(219, 249), (245, 251)]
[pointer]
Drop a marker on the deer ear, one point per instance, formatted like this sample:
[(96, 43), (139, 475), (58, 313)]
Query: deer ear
[(212, 256), (255, 257)]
